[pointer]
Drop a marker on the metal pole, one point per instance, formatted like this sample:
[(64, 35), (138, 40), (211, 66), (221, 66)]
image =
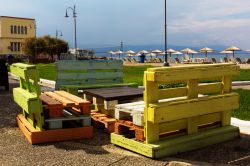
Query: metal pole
[(166, 54), (74, 15), (35, 42)]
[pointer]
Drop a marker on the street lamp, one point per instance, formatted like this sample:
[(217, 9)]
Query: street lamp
[(57, 32), (166, 47), (74, 16)]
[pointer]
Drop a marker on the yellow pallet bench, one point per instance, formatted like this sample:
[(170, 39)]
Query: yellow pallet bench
[(199, 119)]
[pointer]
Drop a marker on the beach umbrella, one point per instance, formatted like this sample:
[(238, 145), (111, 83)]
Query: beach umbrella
[(233, 49), (226, 52), (170, 51), (111, 53), (143, 52), (151, 54), (188, 51), (118, 52), (129, 52), (206, 50), (177, 53), (193, 52), (157, 52)]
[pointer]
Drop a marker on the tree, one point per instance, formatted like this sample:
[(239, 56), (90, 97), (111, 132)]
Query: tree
[(44, 45), (33, 47)]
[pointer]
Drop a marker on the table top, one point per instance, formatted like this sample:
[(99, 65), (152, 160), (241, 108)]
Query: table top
[(115, 93)]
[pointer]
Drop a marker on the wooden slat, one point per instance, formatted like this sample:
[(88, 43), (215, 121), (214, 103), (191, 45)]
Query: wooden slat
[(163, 112), (50, 101), (188, 67), (172, 92), (193, 73), (85, 76), (210, 88), (75, 99), (64, 101), (87, 65)]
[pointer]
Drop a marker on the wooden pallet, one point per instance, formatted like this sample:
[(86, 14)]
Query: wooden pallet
[(131, 111), (127, 128), (37, 137), (55, 102), (175, 145), (100, 120)]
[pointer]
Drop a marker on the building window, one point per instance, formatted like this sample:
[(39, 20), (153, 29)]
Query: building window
[(21, 29), (11, 46), (15, 30), (18, 30), (25, 30), (15, 46), (18, 46), (11, 29)]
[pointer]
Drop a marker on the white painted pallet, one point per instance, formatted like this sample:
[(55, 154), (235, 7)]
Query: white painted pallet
[(133, 110)]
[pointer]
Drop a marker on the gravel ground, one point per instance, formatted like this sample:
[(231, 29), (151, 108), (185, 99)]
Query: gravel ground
[(15, 150)]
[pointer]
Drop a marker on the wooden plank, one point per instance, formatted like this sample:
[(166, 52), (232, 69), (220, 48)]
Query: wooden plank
[(27, 101), (227, 84), (64, 101), (192, 86), (163, 112), (80, 76), (172, 92), (189, 67), (206, 88), (86, 65), (184, 74), (75, 99), (151, 131), (50, 101), (117, 93)]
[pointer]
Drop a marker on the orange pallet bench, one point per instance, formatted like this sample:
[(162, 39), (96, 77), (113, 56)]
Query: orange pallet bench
[(36, 137)]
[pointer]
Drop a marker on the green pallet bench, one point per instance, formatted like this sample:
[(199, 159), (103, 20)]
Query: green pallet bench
[(73, 75), (192, 117), (35, 125)]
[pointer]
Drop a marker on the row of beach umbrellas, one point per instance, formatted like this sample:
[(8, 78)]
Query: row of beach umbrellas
[(206, 50)]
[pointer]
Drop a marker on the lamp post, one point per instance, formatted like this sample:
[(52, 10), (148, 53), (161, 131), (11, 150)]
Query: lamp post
[(74, 16), (166, 47), (57, 32)]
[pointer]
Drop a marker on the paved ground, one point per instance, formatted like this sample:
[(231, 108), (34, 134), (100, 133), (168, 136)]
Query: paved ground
[(15, 150)]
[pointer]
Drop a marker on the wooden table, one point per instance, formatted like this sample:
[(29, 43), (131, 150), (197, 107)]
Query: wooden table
[(116, 93), (105, 99)]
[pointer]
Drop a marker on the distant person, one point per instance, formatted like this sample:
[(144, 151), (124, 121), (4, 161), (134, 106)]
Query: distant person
[(10, 59), (142, 58)]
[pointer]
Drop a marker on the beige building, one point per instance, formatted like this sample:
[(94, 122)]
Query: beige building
[(13, 32)]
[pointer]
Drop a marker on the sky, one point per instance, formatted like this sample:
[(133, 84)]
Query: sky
[(103, 23)]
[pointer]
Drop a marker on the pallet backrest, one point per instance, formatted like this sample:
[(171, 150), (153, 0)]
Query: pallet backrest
[(27, 95), (191, 106), (28, 75), (89, 72)]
